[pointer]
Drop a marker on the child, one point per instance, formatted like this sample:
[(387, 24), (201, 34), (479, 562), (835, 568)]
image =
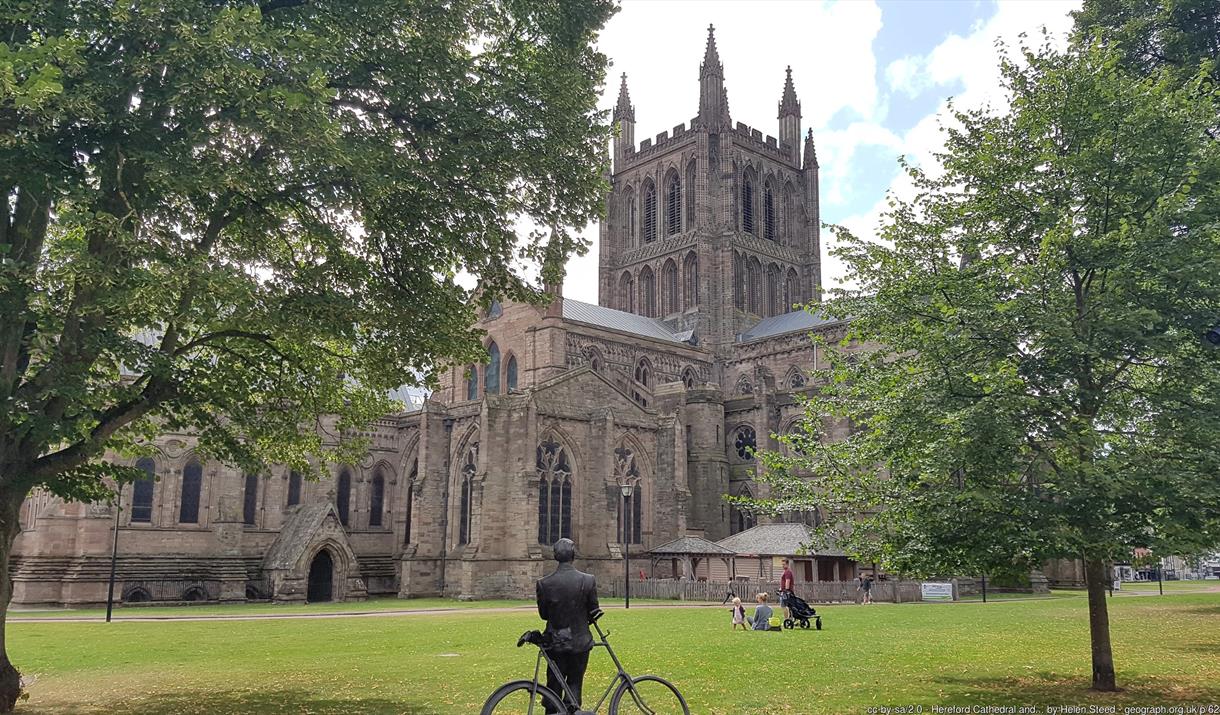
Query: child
[(739, 614)]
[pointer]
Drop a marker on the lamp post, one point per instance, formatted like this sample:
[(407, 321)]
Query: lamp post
[(627, 488), (114, 552)]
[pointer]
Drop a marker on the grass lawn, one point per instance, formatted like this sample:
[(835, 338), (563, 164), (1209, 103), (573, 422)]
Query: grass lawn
[(1015, 652), (1175, 586)]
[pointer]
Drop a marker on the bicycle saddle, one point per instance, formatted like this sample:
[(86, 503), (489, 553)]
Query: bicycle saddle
[(534, 637), (596, 615)]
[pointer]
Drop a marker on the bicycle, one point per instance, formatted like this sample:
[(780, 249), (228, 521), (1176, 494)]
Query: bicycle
[(650, 694)]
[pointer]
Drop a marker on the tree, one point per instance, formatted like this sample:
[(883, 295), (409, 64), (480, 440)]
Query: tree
[(1178, 35), (237, 217), (1025, 371)]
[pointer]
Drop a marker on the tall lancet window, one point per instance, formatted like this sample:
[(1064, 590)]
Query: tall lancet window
[(768, 212), (690, 281), (690, 195), (630, 510), (491, 373), (650, 213), (554, 493), (466, 506), (673, 206), (747, 205)]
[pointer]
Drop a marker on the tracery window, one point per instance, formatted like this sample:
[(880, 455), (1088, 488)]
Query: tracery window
[(142, 492), (343, 496), (747, 205), (673, 206), (409, 508), (754, 286), (249, 506), (745, 443), (377, 499), (773, 290), (669, 288), (465, 509), (192, 484), (648, 293), (510, 373), (630, 510), (690, 281), (472, 382), (797, 380), (744, 386), (740, 520), (626, 290), (491, 374), (792, 290), (554, 492), (294, 489), (650, 213), (768, 212), (688, 378)]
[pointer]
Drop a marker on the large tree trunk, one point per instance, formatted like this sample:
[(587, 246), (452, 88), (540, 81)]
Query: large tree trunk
[(1099, 624)]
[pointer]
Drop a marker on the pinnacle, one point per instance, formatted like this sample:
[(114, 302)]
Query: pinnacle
[(711, 57), (788, 103), (811, 152), (623, 109)]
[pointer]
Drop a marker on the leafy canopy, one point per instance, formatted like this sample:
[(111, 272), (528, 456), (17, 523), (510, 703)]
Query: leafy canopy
[(234, 217), (1027, 377)]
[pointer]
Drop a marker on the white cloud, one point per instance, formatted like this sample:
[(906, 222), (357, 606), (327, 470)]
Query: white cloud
[(972, 61), (908, 75)]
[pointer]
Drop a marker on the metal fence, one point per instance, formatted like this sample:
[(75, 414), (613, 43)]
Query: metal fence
[(716, 591)]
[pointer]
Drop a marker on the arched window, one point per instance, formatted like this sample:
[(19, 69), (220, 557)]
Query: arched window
[(690, 281), (754, 286), (294, 489), (739, 281), (491, 373), (249, 506), (377, 499), (472, 382), (510, 373), (768, 212), (142, 492), (343, 496), (648, 293), (740, 520), (792, 290), (643, 373), (745, 443), (554, 493), (465, 510), (744, 386), (797, 380), (630, 510), (669, 288), (409, 507), (774, 290), (790, 228), (633, 217), (747, 204), (650, 213), (688, 378), (673, 205), (192, 483), (690, 195), (626, 293)]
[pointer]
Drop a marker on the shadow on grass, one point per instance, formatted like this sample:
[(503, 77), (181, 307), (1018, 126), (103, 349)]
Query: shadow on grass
[(264, 702), (1055, 689)]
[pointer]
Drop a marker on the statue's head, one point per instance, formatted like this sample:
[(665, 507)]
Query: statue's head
[(565, 551)]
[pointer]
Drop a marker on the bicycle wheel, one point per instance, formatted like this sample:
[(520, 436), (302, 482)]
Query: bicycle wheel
[(648, 695), (514, 699)]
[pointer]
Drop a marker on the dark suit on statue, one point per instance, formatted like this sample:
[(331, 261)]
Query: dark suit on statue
[(566, 600)]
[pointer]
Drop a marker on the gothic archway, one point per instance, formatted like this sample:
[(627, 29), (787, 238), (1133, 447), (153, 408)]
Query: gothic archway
[(321, 578)]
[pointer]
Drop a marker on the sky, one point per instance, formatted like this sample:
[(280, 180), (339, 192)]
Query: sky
[(873, 78)]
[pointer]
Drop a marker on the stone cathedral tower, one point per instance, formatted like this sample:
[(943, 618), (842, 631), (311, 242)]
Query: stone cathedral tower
[(713, 227)]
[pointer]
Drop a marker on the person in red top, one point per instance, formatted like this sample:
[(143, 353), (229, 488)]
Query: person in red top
[(785, 588)]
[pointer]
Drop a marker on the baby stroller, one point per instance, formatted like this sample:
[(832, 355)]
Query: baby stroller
[(801, 612)]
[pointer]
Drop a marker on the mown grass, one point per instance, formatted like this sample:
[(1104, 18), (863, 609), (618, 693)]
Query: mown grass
[(1014, 652)]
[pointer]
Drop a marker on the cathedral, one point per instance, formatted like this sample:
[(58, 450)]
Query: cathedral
[(621, 425)]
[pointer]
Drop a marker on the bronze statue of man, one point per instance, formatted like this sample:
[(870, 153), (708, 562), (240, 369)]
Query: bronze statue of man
[(567, 601)]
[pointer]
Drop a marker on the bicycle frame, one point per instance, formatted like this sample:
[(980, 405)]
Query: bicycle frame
[(567, 690)]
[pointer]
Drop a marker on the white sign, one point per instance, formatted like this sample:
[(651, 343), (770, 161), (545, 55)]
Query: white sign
[(937, 591)]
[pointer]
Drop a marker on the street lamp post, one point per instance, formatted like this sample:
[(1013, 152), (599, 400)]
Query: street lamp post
[(114, 552), (627, 488)]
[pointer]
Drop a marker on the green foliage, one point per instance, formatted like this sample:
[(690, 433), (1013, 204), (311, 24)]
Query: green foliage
[(1026, 375), (1178, 35), (236, 218)]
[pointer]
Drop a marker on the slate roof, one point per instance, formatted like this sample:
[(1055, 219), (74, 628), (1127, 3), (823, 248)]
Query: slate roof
[(777, 540), (786, 323), (603, 317), (294, 536), (692, 545)]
